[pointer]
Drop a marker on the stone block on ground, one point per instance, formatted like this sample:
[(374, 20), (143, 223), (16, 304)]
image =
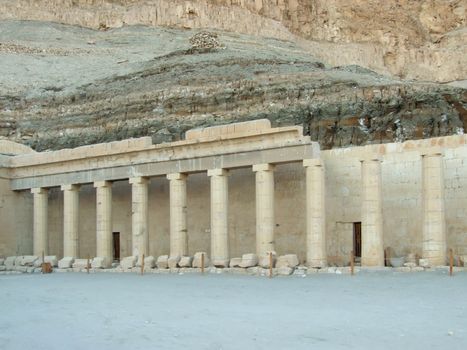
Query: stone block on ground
[(285, 271), (52, 259), (18, 260), (410, 264), (162, 262), (288, 260), (397, 262), (100, 263), (66, 262), (10, 262), (80, 263), (28, 260), (21, 269), (462, 260), (149, 262), (2, 268), (264, 259), (2, 261), (235, 262), (197, 259), (424, 263), (128, 262), (249, 260), (185, 261), (173, 261), (220, 262)]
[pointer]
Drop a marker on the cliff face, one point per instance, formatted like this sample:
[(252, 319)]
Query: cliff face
[(424, 39), (67, 86)]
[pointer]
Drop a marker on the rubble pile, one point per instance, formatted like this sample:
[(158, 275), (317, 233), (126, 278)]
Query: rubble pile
[(205, 40)]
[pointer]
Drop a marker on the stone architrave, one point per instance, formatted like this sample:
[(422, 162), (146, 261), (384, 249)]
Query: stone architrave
[(264, 208), (40, 236), (372, 212)]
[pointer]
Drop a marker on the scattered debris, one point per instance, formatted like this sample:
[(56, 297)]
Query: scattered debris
[(205, 40)]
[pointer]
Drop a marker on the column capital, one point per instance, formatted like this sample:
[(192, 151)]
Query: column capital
[(70, 187), (313, 162), (432, 152), (102, 184), (39, 190), (140, 180), (218, 172), (263, 167), (177, 176)]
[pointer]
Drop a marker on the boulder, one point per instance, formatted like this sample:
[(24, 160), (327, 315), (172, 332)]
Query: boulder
[(264, 259), (66, 262), (285, 271), (185, 261), (28, 260), (52, 259), (18, 260), (462, 260), (128, 262), (220, 262), (10, 262), (249, 260), (235, 262), (410, 264), (150, 262), (289, 260), (173, 262), (424, 263), (100, 263), (80, 263), (162, 262), (197, 259)]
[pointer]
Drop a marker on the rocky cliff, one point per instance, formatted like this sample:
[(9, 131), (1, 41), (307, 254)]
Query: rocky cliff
[(424, 39), (129, 69)]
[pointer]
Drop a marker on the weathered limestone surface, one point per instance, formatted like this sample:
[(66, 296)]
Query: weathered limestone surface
[(197, 260), (128, 262), (249, 260), (162, 262), (185, 261), (139, 217), (289, 260), (70, 220), (173, 261), (178, 211), (264, 260), (372, 213), (104, 223), (81, 264), (66, 262), (40, 224), (264, 208), (434, 218), (235, 262)]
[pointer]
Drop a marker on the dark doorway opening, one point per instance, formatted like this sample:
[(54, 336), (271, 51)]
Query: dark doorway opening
[(116, 245), (357, 239)]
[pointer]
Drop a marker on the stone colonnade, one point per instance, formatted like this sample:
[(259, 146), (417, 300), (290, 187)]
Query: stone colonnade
[(434, 235)]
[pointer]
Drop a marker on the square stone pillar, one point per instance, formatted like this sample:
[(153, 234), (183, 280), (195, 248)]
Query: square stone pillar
[(139, 216), (264, 208), (40, 234), (178, 210), (434, 220), (104, 221), (70, 220), (315, 213), (219, 217), (372, 213)]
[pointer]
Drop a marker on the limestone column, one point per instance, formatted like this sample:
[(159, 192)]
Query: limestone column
[(70, 220), (139, 216), (219, 217), (372, 213), (264, 208), (315, 214), (104, 221), (40, 234), (434, 221), (178, 229)]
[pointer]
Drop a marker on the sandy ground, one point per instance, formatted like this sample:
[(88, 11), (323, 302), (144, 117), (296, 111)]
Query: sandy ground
[(128, 311)]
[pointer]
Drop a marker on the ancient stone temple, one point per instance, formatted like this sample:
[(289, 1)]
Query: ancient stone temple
[(237, 189)]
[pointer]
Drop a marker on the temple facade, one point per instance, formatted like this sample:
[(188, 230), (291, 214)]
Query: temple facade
[(236, 189)]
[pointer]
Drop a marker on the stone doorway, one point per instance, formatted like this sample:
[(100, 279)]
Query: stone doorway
[(357, 240), (116, 245)]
